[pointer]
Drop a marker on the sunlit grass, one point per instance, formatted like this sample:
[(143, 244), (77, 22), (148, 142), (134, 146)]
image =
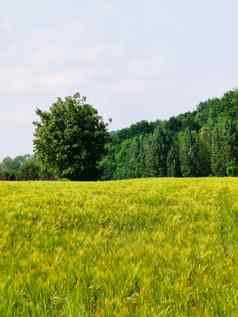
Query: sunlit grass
[(154, 247)]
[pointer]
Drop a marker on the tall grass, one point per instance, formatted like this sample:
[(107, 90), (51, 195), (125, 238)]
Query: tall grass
[(158, 247)]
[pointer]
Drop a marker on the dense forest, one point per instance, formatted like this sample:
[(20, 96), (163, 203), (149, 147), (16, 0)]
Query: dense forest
[(203, 142), (199, 143)]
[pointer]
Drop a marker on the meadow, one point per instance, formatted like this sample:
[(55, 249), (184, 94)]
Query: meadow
[(151, 247)]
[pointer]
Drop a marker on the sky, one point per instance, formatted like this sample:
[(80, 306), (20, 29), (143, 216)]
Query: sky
[(134, 60)]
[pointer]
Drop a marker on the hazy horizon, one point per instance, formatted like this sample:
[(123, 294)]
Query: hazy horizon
[(134, 61)]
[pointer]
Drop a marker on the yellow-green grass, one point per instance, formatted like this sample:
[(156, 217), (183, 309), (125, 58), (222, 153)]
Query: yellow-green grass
[(153, 247)]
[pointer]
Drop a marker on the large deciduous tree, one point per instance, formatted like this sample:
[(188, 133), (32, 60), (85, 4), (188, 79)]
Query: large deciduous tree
[(70, 139)]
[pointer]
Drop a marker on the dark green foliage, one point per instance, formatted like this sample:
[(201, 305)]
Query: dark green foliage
[(189, 153), (199, 143), (218, 153), (136, 129), (30, 169), (24, 167), (173, 162), (9, 168), (161, 146), (70, 139), (147, 156)]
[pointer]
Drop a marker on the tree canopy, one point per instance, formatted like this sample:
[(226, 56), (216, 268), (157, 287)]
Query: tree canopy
[(199, 143), (70, 139)]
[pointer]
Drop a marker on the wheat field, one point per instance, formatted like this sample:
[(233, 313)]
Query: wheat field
[(151, 247)]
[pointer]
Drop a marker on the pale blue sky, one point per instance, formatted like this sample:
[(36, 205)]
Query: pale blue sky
[(133, 59)]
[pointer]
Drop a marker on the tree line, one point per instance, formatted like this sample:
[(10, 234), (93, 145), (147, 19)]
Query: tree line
[(23, 167), (72, 141), (199, 143)]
